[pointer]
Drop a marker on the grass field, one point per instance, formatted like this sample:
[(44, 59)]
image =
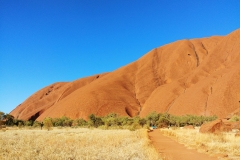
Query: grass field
[(225, 144), (79, 144)]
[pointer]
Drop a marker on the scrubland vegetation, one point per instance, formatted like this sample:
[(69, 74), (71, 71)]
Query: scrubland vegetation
[(108, 137), (225, 144), (76, 143), (114, 121)]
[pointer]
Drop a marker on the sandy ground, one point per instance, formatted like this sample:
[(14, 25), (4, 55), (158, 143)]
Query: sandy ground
[(172, 150)]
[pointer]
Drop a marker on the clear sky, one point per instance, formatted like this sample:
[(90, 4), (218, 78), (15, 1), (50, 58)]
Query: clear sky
[(47, 41)]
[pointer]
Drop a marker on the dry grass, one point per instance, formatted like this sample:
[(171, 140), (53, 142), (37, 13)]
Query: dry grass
[(79, 144), (222, 143)]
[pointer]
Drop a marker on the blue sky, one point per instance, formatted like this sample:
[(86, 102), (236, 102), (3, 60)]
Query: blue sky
[(47, 41)]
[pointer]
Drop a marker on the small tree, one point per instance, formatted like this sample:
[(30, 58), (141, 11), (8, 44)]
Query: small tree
[(48, 123), (36, 124), (28, 123), (1, 115), (152, 118), (9, 119), (142, 121), (95, 121), (79, 122)]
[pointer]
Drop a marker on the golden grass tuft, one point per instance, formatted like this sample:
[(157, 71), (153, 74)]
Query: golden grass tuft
[(221, 143), (80, 144)]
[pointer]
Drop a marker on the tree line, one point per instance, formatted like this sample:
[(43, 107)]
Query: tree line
[(113, 120)]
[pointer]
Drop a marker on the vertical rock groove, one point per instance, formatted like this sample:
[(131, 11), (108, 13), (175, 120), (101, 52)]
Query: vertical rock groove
[(155, 66), (135, 93), (206, 104), (197, 58), (204, 48), (171, 104)]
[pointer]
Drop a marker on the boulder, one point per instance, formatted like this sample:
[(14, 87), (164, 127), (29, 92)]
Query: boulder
[(234, 125), (226, 127), (219, 125), (211, 127)]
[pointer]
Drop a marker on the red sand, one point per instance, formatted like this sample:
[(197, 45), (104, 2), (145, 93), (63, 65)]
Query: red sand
[(199, 76)]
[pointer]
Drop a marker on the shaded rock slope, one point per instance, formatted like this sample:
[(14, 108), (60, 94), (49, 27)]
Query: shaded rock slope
[(197, 76)]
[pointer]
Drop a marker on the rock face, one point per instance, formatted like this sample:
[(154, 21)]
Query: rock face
[(198, 76)]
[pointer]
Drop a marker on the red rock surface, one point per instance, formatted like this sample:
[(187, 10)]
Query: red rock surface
[(211, 127), (198, 76), (219, 125)]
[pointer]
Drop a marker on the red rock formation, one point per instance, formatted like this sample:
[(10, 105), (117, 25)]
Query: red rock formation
[(211, 127), (199, 76), (219, 125)]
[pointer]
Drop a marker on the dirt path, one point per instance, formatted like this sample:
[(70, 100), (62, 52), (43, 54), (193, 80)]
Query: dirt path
[(171, 150)]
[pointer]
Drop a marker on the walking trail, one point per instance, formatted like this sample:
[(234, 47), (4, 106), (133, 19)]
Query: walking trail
[(172, 150)]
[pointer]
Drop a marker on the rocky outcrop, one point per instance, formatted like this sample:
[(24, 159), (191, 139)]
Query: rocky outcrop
[(198, 76), (219, 125), (211, 127)]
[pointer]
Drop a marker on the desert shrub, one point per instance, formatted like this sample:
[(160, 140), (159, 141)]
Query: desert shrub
[(63, 122), (48, 123), (142, 121), (18, 121), (67, 122), (208, 118), (139, 121), (163, 121), (1, 123), (180, 121), (114, 121), (122, 121), (9, 119), (110, 120), (235, 118), (1, 115), (132, 128), (20, 124), (152, 118), (28, 123), (79, 122), (95, 121), (36, 124)]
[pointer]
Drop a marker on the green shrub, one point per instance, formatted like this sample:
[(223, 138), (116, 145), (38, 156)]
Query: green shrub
[(152, 118), (48, 123), (20, 124), (142, 122), (36, 124), (235, 118), (79, 122), (95, 121), (28, 123)]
